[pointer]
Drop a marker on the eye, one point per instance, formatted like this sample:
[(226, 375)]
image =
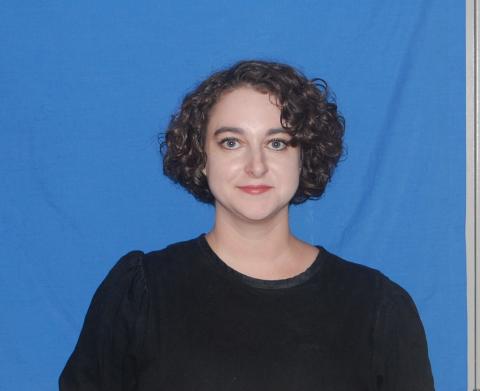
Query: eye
[(230, 143), (278, 144)]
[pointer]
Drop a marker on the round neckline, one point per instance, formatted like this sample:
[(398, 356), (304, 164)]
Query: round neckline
[(220, 266)]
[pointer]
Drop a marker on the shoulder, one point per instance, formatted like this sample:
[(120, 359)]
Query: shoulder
[(130, 262), (362, 281), (165, 267), (174, 254), (126, 279), (342, 271)]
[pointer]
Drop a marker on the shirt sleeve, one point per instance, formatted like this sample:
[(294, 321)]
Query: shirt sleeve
[(106, 355), (401, 360)]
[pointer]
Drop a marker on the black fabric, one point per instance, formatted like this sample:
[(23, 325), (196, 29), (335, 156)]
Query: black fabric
[(181, 319)]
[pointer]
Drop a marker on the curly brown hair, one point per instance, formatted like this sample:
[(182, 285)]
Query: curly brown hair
[(308, 111)]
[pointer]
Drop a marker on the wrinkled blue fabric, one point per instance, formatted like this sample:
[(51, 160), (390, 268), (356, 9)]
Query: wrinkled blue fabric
[(86, 87)]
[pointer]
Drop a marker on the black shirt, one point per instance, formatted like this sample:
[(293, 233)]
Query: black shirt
[(181, 319)]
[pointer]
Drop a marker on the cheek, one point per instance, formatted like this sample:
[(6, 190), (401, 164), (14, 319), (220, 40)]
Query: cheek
[(219, 174), (290, 169), (222, 165), (295, 178)]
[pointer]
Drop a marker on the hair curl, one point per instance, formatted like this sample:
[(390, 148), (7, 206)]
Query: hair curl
[(308, 111)]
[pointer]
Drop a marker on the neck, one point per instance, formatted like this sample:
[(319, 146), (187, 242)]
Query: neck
[(257, 241)]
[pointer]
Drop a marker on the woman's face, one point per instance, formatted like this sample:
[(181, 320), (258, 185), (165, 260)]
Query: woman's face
[(252, 171)]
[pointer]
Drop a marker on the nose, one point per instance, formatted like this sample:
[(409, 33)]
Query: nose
[(256, 164)]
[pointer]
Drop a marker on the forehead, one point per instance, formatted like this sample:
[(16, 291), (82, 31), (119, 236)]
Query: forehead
[(245, 107)]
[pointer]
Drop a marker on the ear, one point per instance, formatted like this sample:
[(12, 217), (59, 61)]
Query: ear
[(204, 171)]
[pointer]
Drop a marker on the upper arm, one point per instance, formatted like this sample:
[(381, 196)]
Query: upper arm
[(400, 348), (105, 355)]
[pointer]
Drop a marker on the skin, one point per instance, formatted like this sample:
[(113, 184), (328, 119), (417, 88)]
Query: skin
[(247, 146)]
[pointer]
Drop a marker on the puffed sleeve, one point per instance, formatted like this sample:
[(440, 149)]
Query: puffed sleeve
[(401, 360), (107, 352)]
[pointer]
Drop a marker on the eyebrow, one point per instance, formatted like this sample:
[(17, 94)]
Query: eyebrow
[(225, 129)]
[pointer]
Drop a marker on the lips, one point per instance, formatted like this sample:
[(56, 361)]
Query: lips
[(257, 189)]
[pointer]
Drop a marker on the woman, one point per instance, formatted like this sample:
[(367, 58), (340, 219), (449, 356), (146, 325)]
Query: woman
[(249, 306)]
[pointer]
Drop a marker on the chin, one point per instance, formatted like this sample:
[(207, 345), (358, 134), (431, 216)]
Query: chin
[(258, 213), (255, 218), (254, 209)]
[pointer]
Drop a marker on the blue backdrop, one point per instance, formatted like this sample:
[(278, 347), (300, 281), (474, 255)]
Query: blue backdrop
[(86, 86)]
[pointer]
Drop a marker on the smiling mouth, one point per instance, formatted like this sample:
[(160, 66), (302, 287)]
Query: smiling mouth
[(255, 189)]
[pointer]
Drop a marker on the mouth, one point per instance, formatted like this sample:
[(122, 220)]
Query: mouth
[(258, 189)]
